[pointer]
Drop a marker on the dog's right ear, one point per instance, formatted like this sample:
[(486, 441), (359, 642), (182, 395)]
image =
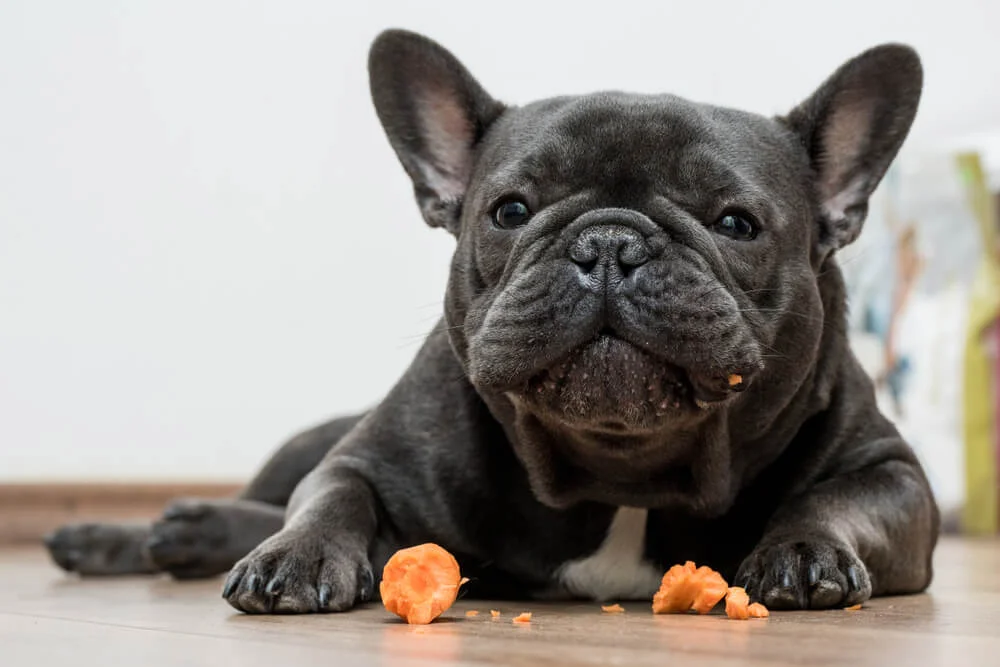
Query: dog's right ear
[(434, 114)]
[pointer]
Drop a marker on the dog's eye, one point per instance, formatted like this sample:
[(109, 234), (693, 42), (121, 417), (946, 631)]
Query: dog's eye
[(511, 214), (736, 226)]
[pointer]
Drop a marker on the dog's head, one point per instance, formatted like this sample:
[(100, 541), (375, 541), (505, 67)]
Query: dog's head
[(637, 277)]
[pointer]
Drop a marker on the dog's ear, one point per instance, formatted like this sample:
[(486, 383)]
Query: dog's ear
[(852, 128), (434, 114)]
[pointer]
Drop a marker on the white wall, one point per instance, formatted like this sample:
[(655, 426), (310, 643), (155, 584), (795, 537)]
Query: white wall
[(206, 243)]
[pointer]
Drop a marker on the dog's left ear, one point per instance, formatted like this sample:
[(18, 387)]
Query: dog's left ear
[(434, 113), (852, 128)]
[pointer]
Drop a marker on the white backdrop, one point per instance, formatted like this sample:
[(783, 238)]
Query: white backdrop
[(206, 243)]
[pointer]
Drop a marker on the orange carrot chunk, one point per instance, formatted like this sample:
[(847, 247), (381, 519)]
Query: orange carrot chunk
[(757, 610), (420, 583), (494, 613), (737, 603), (853, 607), (612, 609), (686, 587), (523, 617), (713, 588), (472, 612)]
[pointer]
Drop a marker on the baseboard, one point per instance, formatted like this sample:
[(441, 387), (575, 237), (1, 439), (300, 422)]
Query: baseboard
[(29, 511)]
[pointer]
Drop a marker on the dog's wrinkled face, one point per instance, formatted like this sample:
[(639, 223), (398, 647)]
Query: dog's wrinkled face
[(634, 256), (631, 268)]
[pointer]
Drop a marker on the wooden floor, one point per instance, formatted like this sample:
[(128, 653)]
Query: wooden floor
[(48, 618)]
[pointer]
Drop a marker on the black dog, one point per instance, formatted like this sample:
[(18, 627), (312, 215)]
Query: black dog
[(643, 360)]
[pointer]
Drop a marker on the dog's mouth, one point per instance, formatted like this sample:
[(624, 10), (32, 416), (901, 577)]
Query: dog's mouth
[(615, 386)]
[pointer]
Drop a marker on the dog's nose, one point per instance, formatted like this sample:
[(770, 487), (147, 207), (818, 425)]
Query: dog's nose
[(616, 248)]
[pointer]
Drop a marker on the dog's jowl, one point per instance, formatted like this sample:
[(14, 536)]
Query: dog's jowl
[(642, 360)]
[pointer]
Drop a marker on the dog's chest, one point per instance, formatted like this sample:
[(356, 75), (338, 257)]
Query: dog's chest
[(618, 569)]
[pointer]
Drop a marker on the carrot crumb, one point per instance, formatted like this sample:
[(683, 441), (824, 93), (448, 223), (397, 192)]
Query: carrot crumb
[(757, 610), (523, 617), (737, 603), (613, 609), (494, 613), (853, 607), (472, 612)]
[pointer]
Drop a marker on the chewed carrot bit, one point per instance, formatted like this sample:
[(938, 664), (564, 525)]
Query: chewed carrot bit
[(853, 607), (472, 612), (757, 610), (737, 603), (523, 617), (613, 609), (494, 613), (686, 587), (735, 380), (463, 581), (420, 583)]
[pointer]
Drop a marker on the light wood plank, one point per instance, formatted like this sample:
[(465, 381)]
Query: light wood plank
[(52, 617)]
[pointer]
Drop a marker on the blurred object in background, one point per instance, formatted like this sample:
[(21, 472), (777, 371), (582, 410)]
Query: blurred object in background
[(924, 289)]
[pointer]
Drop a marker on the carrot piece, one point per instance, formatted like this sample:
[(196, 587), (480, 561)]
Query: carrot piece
[(472, 612), (853, 607), (675, 594), (713, 589), (523, 617), (420, 583), (494, 613), (737, 603), (613, 609), (686, 587), (757, 610), (735, 380)]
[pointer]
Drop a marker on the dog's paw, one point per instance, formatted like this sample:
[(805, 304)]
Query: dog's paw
[(300, 574), (97, 549), (807, 574), (202, 538), (191, 540)]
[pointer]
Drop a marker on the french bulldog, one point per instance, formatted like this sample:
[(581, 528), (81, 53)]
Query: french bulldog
[(643, 360)]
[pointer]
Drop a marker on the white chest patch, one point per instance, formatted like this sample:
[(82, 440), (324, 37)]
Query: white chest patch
[(617, 570)]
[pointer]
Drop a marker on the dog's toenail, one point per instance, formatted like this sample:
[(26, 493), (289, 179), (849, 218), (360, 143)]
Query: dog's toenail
[(230, 586), (853, 579), (274, 587), (324, 595)]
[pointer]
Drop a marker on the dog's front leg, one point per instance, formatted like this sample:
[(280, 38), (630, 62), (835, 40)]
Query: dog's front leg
[(319, 561), (868, 531)]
